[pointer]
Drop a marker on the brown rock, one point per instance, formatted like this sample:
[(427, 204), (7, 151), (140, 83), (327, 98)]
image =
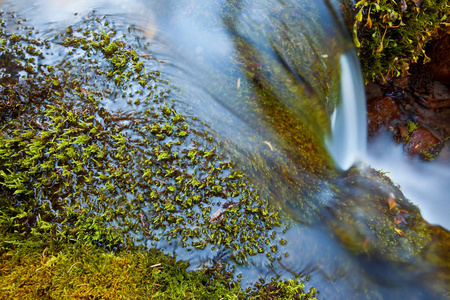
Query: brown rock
[(381, 112), (438, 51), (401, 133), (401, 82), (441, 91), (373, 90), (421, 141)]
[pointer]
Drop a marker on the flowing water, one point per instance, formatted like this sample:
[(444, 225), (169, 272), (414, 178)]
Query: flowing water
[(278, 84)]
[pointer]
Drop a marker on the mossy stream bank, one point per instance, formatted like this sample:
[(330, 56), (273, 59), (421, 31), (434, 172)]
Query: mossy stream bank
[(90, 185), (84, 189)]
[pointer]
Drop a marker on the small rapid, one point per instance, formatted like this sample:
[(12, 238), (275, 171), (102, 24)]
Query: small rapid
[(424, 183)]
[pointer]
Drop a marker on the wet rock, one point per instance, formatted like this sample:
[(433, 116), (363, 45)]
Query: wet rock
[(429, 102), (401, 133), (441, 90), (422, 97), (438, 51), (401, 82), (382, 112), (422, 142), (397, 86), (373, 90)]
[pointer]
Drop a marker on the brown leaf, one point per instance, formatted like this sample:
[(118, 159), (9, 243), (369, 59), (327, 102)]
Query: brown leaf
[(400, 232), (366, 242), (417, 2), (216, 215), (84, 91), (391, 202), (268, 144)]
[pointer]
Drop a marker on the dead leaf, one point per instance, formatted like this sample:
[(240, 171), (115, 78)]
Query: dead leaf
[(216, 215), (369, 21), (366, 242), (417, 2), (391, 202), (84, 91), (400, 232), (268, 144)]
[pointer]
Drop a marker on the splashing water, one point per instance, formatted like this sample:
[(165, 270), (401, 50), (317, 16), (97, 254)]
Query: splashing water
[(426, 184), (278, 84)]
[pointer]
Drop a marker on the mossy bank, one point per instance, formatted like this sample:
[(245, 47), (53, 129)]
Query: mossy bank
[(89, 186)]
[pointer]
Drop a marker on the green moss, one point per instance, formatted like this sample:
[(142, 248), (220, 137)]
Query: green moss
[(89, 272), (85, 177), (390, 35), (62, 271), (91, 170), (410, 126)]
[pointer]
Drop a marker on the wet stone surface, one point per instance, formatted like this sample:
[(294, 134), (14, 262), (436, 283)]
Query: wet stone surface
[(417, 102), (420, 142), (381, 112), (440, 63)]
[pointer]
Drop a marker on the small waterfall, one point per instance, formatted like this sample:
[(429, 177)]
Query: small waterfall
[(348, 140)]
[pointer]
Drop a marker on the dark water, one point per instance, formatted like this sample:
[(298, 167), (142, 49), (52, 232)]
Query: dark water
[(277, 82)]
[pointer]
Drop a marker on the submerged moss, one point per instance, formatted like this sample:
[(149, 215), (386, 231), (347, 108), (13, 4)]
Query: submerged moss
[(86, 176)]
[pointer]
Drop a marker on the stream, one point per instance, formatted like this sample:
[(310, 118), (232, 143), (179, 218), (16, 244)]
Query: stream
[(277, 85)]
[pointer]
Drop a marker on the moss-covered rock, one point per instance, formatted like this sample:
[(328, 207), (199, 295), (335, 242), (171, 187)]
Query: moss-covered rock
[(390, 35)]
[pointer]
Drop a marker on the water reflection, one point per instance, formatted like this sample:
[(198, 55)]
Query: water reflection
[(264, 77)]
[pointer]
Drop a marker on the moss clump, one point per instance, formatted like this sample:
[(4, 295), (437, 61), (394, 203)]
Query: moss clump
[(410, 126), (90, 272), (71, 167), (390, 35), (62, 271)]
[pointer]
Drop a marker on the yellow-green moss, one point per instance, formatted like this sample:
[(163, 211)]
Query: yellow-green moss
[(85, 190), (91, 273), (390, 35)]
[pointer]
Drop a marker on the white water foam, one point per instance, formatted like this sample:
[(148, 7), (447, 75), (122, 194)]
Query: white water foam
[(426, 184), (347, 144)]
